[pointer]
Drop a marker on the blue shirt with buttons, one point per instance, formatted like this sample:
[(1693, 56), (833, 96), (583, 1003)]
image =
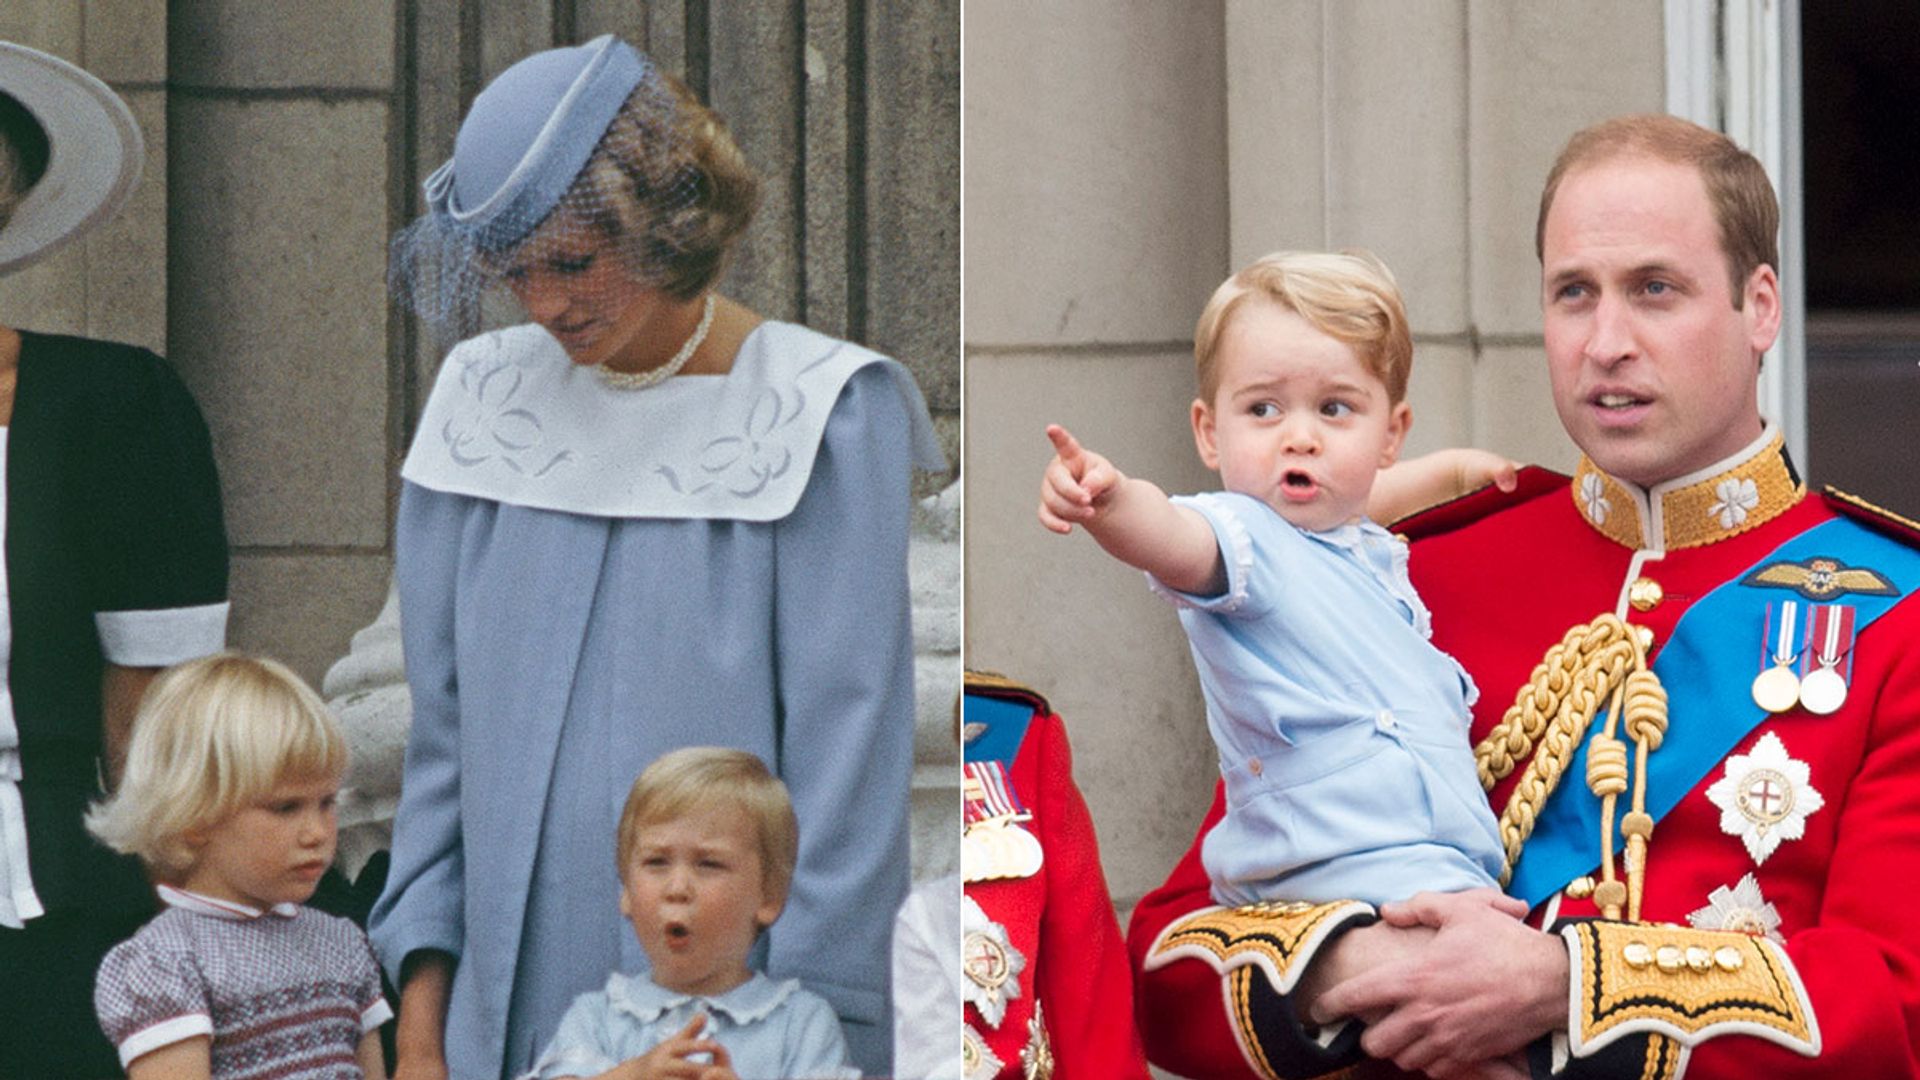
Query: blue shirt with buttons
[(1342, 731)]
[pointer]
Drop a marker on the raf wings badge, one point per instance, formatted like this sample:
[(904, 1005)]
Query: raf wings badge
[(1821, 578)]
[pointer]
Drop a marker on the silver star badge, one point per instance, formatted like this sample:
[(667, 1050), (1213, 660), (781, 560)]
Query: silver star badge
[(991, 963), (1765, 797), (977, 1060), (1742, 909)]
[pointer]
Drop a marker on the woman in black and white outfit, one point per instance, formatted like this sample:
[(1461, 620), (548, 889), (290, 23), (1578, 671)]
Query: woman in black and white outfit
[(115, 565)]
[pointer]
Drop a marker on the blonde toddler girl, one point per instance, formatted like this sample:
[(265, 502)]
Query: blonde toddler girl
[(228, 796)]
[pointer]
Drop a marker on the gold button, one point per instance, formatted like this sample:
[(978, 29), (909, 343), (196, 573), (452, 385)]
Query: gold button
[(1699, 959), (1645, 594), (1646, 636), (1580, 888), (1254, 766), (1670, 958), (1637, 954), (1728, 958)]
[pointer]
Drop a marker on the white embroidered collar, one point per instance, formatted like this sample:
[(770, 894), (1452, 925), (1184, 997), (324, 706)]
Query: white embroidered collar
[(647, 1000), (511, 419), (202, 904)]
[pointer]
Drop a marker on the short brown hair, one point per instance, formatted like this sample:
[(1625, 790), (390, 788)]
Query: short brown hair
[(1744, 205), (1349, 296), (627, 173), (697, 777)]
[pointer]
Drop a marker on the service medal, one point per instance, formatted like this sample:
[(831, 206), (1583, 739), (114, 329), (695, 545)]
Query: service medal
[(994, 845), (1824, 689), (1777, 689)]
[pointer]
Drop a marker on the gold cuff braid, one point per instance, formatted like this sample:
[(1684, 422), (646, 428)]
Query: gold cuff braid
[(1279, 938), (1259, 951), (1688, 984)]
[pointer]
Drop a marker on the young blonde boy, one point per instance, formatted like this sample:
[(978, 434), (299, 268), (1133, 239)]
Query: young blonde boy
[(1341, 731), (228, 796), (706, 851)]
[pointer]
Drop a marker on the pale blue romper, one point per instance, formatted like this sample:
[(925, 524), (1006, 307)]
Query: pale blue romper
[(1342, 731)]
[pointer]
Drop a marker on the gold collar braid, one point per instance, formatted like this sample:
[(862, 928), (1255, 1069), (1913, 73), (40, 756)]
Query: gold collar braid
[(1602, 661), (1743, 492)]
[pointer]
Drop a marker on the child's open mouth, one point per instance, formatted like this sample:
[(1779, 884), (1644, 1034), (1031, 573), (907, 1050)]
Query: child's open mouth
[(678, 933), (1298, 485)]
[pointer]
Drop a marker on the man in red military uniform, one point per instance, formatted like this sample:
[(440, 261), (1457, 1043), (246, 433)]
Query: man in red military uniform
[(1047, 987), (1770, 795)]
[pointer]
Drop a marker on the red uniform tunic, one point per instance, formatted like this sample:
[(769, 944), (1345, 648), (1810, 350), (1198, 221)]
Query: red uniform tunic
[(1059, 921), (1506, 577)]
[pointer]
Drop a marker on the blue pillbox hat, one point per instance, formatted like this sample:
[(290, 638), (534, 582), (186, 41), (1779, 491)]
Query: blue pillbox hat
[(528, 136)]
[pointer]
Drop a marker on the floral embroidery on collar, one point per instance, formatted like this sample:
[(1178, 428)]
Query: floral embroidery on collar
[(1593, 498), (1742, 492), (1736, 497)]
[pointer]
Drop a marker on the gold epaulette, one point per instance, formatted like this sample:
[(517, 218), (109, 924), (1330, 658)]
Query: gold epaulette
[(1685, 984), (994, 684), (1879, 517)]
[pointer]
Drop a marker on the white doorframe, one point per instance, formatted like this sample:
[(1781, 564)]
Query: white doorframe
[(1734, 66)]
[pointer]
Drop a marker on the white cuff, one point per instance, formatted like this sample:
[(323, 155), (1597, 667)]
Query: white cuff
[(161, 636), (375, 1014), (164, 1033)]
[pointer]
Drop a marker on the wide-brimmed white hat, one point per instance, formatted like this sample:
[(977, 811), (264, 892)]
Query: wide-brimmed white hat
[(94, 158)]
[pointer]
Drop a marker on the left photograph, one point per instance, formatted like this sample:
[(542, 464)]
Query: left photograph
[(515, 629)]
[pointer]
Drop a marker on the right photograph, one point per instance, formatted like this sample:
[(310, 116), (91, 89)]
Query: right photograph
[(1437, 541)]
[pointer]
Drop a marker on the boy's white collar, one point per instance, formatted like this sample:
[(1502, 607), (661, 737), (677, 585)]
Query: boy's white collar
[(748, 1003), (201, 904)]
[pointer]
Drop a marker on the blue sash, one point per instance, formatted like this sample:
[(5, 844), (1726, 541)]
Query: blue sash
[(1707, 667)]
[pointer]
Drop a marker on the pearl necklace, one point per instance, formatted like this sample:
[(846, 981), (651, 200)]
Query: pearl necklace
[(641, 380)]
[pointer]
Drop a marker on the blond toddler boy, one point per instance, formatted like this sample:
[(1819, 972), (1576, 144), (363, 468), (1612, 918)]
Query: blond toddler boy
[(1341, 730)]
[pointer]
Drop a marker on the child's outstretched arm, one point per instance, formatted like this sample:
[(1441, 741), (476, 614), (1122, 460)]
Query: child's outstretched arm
[(1131, 518), (1415, 484)]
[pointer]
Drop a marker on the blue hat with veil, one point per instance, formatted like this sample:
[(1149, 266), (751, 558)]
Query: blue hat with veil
[(520, 177)]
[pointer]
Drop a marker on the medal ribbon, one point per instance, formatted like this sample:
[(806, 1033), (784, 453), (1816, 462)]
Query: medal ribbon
[(989, 795), (1830, 639), (1707, 673)]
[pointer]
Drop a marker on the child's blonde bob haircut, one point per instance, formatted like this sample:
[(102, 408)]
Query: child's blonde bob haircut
[(1349, 296), (213, 735), (699, 777)]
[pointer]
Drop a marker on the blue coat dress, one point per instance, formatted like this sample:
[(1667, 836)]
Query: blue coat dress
[(589, 578)]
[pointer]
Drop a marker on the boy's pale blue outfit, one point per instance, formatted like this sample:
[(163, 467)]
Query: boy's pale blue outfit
[(770, 1029), (1342, 731)]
